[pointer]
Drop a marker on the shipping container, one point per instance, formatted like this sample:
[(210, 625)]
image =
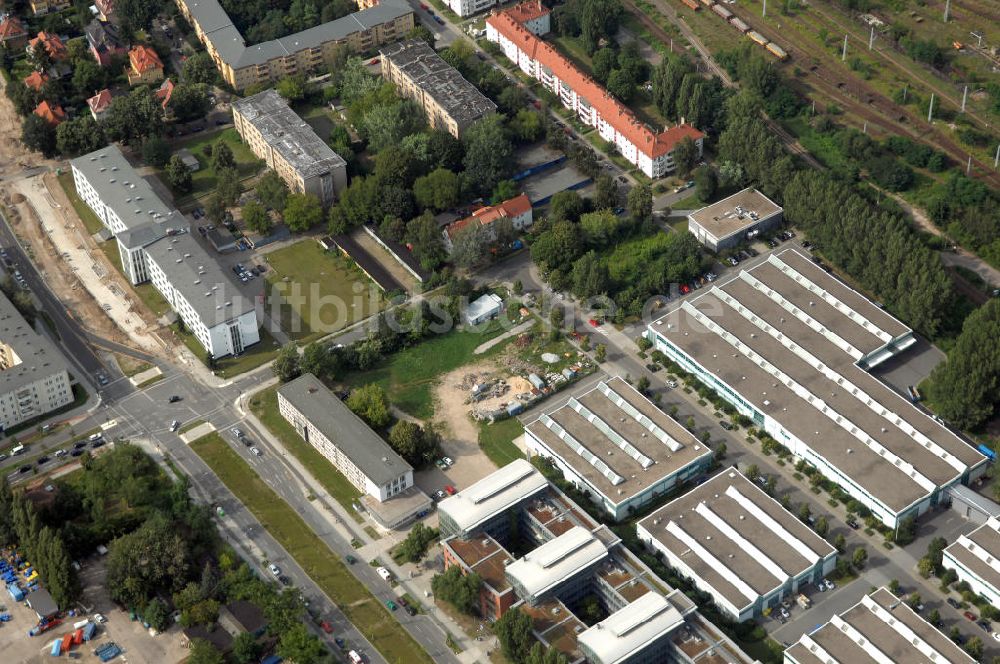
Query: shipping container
[(757, 37), (739, 24), (78, 637), (722, 11), (777, 51), (67, 642), (693, 4), (56, 648), (88, 631)]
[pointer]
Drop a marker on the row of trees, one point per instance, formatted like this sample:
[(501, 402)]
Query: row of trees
[(593, 21), (680, 92)]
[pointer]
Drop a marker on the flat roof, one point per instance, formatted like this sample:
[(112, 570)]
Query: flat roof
[(617, 440), (555, 561), (34, 355), (557, 626), (339, 424), (121, 188), (484, 556), (446, 86), (494, 494), (735, 538), (979, 552), (198, 277), (880, 628), (788, 337), (291, 136), (630, 629), (735, 213)]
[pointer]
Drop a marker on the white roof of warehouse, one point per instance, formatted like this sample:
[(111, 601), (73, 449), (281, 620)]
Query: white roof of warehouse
[(623, 632), (556, 560), (493, 494)]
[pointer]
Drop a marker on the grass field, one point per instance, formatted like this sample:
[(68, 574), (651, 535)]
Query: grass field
[(323, 291), (203, 180), (311, 553), (409, 376), (264, 405), (146, 292), (496, 440), (87, 216)]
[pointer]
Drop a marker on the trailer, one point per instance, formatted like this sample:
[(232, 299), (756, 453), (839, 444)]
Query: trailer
[(692, 4), (722, 11), (777, 51), (757, 37), (738, 23), (56, 648), (108, 651), (88, 631)]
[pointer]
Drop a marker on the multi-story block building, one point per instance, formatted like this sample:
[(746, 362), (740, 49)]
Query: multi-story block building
[(39, 7), (347, 442), (243, 65), (976, 559), (737, 544), (742, 216), (880, 629), (449, 101), (155, 245), (34, 376), (289, 146), (790, 347), (651, 151), (616, 445)]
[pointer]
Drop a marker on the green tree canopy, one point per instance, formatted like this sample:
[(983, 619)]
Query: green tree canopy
[(370, 403), (302, 212)]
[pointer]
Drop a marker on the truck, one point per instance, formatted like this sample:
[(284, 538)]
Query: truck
[(803, 601)]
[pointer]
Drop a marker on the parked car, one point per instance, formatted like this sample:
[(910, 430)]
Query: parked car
[(390, 605), (439, 495), (447, 461), (852, 523), (970, 615), (173, 399), (726, 425), (255, 451), (274, 569), (285, 581), (450, 490), (984, 625), (784, 613), (953, 604), (829, 584)]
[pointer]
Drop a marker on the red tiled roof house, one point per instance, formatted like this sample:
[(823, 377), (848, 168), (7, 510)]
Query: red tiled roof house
[(51, 43), (144, 66), (12, 33), (517, 209), (53, 114), (100, 104), (36, 80)]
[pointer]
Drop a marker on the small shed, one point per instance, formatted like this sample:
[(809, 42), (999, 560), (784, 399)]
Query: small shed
[(223, 241), (483, 309), (41, 602), (189, 160)]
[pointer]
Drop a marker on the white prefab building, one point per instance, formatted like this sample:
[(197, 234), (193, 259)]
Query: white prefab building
[(790, 347), (641, 632), (155, 245), (727, 223), (482, 309), (737, 544), (976, 559), (880, 629)]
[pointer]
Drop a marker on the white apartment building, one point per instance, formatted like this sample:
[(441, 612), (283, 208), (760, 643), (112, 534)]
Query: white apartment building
[(469, 7), (976, 559), (517, 32), (737, 544), (155, 245), (34, 376), (791, 347)]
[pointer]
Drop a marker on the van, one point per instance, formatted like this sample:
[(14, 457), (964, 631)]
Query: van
[(384, 573), (355, 657), (18, 449)]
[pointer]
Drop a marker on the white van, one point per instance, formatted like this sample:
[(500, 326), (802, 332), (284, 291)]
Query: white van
[(95, 437), (18, 449), (384, 573), (355, 657)]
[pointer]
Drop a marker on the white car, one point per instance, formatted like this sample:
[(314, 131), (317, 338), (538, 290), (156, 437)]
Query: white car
[(996, 636), (255, 451), (672, 384), (447, 461), (98, 618), (784, 613), (274, 569), (830, 585), (175, 425)]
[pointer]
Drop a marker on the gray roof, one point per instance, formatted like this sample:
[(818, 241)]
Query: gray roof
[(425, 68), (337, 422), (37, 356), (630, 629), (140, 236), (979, 553), (42, 603), (232, 48), (122, 189), (289, 134), (197, 276), (734, 213)]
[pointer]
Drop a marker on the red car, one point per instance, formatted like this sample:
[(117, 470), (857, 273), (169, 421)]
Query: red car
[(326, 627), (970, 615), (685, 289), (594, 322), (450, 490), (423, 6)]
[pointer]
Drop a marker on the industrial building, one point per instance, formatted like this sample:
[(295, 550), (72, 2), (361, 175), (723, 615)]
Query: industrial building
[(289, 146), (34, 376), (976, 559), (737, 544), (727, 223), (565, 559), (243, 65), (449, 102), (517, 31), (880, 629), (790, 347), (616, 445), (155, 245), (360, 454)]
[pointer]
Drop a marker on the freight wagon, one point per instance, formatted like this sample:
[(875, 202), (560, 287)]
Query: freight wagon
[(757, 37), (739, 24), (693, 4), (777, 51), (722, 11)]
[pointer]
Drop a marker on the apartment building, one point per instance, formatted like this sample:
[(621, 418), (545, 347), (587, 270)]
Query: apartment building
[(729, 222), (976, 559), (880, 629), (243, 65), (790, 347), (144, 66), (449, 101), (566, 558), (34, 376), (617, 446), (737, 544), (518, 210), (289, 146), (155, 245), (347, 442), (648, 149), (40, 7)]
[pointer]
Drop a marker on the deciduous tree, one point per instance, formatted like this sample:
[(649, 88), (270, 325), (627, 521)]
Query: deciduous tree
[(302, 212)]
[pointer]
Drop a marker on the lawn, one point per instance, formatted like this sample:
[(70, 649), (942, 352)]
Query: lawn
[(409, 376), (324, 292), (146, 292), (260, 353), (90, 220), (497, 440), (264, 405), (311, 553), (203, 180)]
